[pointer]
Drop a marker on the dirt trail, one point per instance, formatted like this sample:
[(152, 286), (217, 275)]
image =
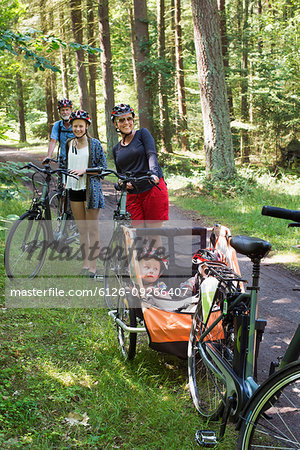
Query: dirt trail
[(279, 294)]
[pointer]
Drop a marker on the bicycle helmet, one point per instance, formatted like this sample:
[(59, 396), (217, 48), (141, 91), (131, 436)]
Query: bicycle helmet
[(80, 114), (120, 110), (154, 253), (64, 103), (208, 254)]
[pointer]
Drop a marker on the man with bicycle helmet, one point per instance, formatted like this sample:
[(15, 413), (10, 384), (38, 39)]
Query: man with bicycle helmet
[(136, 153), (61, 130)]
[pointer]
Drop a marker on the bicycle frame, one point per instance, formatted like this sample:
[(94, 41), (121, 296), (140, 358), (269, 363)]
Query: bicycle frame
[(240, 386)]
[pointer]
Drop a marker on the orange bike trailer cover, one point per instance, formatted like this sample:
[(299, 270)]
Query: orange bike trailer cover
[(169, 332)]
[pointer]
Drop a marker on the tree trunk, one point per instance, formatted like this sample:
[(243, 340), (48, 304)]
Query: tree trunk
[(49, 106), (142, 56), (245, 142), (92, 67), (214, 102), (173, 60), (133, 47), (77, 27), (225, 53), (48, 83), (180, 78), (63, 58), (165, 131), (54, 95), (107, 73), (21, 109)]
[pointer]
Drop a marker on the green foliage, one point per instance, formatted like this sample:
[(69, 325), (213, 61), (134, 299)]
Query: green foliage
[(10, 181), (237, 202), (177, 163)]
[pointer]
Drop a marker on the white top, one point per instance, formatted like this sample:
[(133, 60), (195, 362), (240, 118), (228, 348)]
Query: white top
[(77, 159)]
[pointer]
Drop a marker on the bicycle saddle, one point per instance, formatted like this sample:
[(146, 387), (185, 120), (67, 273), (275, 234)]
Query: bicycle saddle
[(250, 246)]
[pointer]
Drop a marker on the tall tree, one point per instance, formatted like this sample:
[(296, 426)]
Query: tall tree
[(107, 73), (143, 58), (63, 57), (21, 108), (245, 143), (225, 52), (77, 27), (180, 78), (165, 132), (48, 79), (133, 46), (214, 102), (92, 66)]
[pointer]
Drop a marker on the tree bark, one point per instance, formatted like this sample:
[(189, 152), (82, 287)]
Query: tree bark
[(21, 108), (107, 73), (214, 102), (63, 58), (173, 60), (77, 27), (48, 83), (245, 142), (143, 57), (225, 53), (54, 95), (92, 67), (165, 132), (180, 78), (133, 47)]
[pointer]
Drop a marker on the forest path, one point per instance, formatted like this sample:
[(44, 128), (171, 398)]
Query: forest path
[(280, 288)]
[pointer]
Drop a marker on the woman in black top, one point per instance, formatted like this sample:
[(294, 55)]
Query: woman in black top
[(136, 153)]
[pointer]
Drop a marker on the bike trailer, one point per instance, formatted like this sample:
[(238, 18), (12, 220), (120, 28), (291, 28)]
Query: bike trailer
[(168, 320)]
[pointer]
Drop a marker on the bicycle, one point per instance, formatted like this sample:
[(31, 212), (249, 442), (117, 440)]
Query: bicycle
[(116, 270), (222, 367), (33, 233)]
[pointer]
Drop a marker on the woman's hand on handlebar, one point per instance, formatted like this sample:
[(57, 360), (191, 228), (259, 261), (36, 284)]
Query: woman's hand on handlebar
[(78, 172)]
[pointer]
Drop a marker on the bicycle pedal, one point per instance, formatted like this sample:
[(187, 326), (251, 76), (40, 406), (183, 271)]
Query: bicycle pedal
[(206, 438)]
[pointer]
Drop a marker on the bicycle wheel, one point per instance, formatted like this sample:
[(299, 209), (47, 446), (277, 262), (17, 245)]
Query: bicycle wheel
[(208, 391), (127, 341), (116, 266), (272, 418), (64, 228), (26, 247)]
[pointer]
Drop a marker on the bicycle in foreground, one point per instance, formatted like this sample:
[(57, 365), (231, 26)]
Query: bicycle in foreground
[(34, 232), (222, 366)]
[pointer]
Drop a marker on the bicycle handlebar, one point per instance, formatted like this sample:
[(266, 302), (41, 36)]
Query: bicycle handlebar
[(127, 178), (48, 170), (281, 213)]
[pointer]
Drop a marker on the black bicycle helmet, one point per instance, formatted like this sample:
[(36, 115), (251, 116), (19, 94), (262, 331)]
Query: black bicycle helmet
[(120, 110), (64, 103), (80, 114), (154, 253)]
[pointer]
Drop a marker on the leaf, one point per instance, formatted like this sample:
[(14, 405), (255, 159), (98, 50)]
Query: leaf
[(75, 418)]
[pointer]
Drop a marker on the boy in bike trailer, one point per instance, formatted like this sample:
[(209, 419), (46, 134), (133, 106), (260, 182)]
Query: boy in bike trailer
[(61, 131)]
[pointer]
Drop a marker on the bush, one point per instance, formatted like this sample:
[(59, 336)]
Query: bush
[(10, 180)]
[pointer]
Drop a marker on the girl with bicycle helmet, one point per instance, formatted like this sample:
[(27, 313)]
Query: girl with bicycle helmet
[(86, 195), (136, 153)]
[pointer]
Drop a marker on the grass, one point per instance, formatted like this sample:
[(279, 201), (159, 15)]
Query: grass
[(76, 372)]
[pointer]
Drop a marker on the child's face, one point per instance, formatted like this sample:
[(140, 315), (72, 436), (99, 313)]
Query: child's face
[(150, 270)]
